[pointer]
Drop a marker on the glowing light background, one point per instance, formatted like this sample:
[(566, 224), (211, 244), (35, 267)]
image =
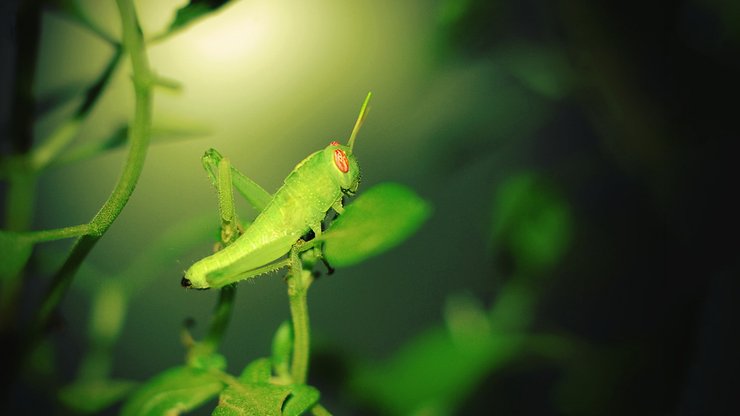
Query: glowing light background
[(270, 82)]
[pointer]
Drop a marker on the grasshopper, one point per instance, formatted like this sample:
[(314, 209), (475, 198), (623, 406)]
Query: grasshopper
[(317, 184)]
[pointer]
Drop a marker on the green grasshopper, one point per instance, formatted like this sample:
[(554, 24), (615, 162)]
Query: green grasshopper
[(316, 184)]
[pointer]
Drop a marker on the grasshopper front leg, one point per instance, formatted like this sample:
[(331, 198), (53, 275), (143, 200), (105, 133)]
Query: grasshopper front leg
[(256, 195), (230, 226)]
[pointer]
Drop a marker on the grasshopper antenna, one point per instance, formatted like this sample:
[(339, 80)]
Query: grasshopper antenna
[(360, 119)]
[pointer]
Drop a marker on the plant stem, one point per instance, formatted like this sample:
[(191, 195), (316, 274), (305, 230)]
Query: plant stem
[(58, 233), (297, 290), (139, 141), (221, 318)]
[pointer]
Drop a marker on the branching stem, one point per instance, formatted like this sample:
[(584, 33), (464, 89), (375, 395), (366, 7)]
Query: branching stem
[(139, 140)]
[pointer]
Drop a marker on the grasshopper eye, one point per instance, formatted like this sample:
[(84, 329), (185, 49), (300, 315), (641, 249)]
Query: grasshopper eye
[(340, 159), (334, 143)]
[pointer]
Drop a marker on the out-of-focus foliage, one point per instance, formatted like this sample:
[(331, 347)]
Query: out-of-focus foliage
[(176, 390), (438, 369), (194, 10), (419, 378), (531, 221), (88, 397), (15, 250), (573, 152)]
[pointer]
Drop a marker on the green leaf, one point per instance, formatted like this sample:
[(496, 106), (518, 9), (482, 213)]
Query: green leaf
[(301, 399), (94, 396), (282, 349), (15, 250), (266, 399), (193, 11), (379, 219), (258, 371), (252, 399), (201, 356), (174, 391)]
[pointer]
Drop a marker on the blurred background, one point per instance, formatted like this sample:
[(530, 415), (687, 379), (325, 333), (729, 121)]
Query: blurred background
[(579, 259)]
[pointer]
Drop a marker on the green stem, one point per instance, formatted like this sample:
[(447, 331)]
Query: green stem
[(24, 176), (57, 233), (297, 290), (139, 141), (221, 318)]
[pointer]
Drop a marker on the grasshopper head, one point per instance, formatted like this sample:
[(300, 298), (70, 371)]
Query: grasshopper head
[(344, 167)]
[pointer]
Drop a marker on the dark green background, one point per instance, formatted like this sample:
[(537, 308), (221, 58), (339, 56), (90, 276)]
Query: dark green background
[(600, 129)]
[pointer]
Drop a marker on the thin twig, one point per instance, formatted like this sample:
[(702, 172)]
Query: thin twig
[(139, 141)]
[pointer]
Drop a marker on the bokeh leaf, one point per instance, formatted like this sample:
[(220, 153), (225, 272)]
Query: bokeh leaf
[(379, 219), (174, 391), (119, 137), (194, 10), (532, 220), (282, 350), (543, 69), (15, 250), (95, 395), (434, 372), (56, 98)]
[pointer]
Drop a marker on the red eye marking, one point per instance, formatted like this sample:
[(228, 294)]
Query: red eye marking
[(334, 143), (340, 159)]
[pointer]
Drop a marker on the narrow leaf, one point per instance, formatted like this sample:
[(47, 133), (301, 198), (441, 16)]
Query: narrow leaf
[(56, 98), (119, 137), (282, 349), (379, 219), (193, 11)]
